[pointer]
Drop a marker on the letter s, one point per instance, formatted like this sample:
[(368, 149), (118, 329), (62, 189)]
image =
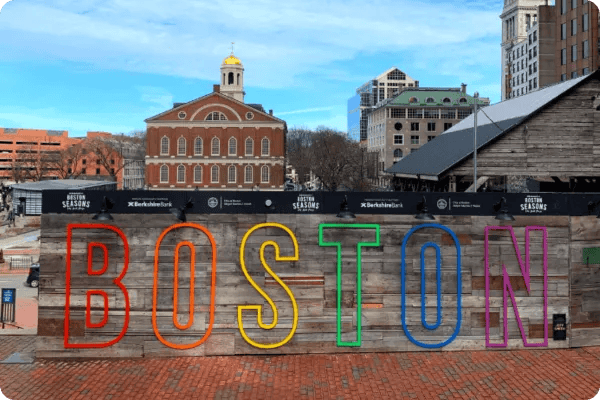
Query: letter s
[(258, 307)]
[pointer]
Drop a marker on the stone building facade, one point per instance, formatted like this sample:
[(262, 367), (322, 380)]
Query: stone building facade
[(217, 141)]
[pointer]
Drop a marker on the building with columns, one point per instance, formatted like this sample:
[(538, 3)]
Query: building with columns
[(517, 16), (217, 141)]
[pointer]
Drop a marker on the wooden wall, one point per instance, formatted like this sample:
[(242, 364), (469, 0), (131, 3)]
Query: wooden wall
[(572, 287)]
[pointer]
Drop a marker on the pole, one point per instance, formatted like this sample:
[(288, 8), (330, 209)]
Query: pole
[(476, 96)]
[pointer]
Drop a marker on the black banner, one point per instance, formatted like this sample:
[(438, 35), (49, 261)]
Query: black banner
[(233, 202)]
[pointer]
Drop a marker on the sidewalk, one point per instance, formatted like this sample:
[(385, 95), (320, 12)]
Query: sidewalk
[(523, 374)]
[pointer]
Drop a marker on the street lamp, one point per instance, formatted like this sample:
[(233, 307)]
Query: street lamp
[(475, 96)]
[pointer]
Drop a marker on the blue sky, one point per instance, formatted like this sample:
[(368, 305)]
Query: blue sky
[(106, 65)]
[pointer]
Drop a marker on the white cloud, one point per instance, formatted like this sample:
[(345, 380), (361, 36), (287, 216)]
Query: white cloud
[(306, 110)]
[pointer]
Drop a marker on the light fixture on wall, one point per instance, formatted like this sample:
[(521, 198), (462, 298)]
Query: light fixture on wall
[(344, 210), (593, 206), (179, 212), (103, 215), (502, 212), (423, 213), (269, 204)]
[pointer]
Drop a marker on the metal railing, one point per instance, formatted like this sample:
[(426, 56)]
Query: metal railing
[(20, 262)]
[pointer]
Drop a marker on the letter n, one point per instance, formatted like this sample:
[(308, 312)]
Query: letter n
[(92, 272), (508, 290)]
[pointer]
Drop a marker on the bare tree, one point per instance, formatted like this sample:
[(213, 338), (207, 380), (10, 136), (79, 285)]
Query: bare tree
[(65, 162), (32, 163), (116, 152), (330, 156)]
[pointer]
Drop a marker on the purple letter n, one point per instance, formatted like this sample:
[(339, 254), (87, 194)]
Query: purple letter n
[(507, 288)]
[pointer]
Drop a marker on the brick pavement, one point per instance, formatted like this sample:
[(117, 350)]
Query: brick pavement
[(523, 374)]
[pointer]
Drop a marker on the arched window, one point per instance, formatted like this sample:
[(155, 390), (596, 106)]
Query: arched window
[(164, 145), (462, 100), (181, 146), (223, 79), (214, 174), (230, 82), (215, 116), (446, 100), (265, 147), (164, 174), (248, 174), (249, 147), (215, 147), (430, 100), (181, 174), (413, 100), (231, 174), (238, 80), (197, 174), (397, 153), (264, 174), (198, 146), (232, 147)]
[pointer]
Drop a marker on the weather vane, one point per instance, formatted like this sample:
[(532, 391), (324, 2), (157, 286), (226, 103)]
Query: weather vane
[(232, 47)]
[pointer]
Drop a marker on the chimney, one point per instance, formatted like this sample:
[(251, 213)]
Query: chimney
[(217, 88), (270, 112), (463, 87)]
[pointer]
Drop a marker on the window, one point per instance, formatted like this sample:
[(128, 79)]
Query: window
[(249, 146), (530, 39), (181, 174), (563, 57), (265, 147), (97, 171), (248, 174), (534, 83), (585, 49), (448, 114), (396, 75), (414, 139), (573, 74), (181, 146), (198, 146), (586, 71), (446, 100), (398, 153), (97, 161), (563, 6), (398, 113), (585, 22), (398, 126), (197, 174), (69, 171), (415, 113), (231, 174), (431, 127), (574, 52), (563, 77), (398, 139), (535, 51), (430, 100), (214, 174), (413, 100), (530, 66), (414, 126), (164, 174), (428, 113), (463, 113), (447, 125), (573, 27), (164, 145), (112, 171), (215, 116), (573, 4), (232, 147), (534, 36), (264, 174), (563, 31), (215, 147), (535, 66), (430, 138), (83, 171), (530, 84), (462, 100)]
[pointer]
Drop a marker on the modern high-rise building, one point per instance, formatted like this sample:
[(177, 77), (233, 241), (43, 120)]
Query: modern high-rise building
[(516, 16), (385, 86), (576, 39)]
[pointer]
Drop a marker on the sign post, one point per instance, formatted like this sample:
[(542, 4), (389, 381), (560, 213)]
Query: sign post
[(7, 310)]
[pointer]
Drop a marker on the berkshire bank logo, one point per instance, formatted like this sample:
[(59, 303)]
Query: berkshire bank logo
[(380, 203)]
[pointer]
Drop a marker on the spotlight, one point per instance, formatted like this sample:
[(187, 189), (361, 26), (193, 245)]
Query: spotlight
[(423, 213), (344, 210), (103, 215), (592, 205), (179, 212), (269, 204), (503, 214)]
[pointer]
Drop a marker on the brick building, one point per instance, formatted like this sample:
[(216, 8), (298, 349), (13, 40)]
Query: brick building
[(217, 141)]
